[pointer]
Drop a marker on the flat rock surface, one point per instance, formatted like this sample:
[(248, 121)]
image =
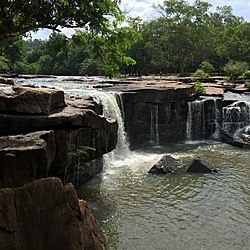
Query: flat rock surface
[(15, 99)]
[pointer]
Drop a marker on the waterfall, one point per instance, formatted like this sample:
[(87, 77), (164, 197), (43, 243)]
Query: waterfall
[(217, 114), (195, 121), (203, 119), (110, 102), (236, 117), (154, 124), (189, 123), (111, 110)]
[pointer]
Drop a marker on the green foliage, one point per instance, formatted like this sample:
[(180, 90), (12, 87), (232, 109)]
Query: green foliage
[(4, 64), (247, 84), (207, 67), (247, 74), (20, 16), (199, 88), (177, 42), (83, 152), (200, 73), (235, 69)]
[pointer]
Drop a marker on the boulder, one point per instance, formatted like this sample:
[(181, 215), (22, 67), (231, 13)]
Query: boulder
[(166, 165), (44, 214), (15, 99), (85, 103), (24, 158), (200, 166), (245, 137)]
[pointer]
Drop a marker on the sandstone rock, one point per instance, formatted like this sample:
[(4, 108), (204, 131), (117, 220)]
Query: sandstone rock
[(102, 139), (73, 126), (7, 81), (14, 99), (46, 215), (86, 103), (166, 165), (24, 158), (200, 166), (68, 118)]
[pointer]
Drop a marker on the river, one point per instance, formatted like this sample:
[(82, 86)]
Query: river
[(183, 211), (138, 210)]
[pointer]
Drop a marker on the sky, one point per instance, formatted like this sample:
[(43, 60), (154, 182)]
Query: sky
[(144, 9)]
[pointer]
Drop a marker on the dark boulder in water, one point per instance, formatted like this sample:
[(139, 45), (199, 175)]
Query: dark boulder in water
[(200, 166), (166, 165)]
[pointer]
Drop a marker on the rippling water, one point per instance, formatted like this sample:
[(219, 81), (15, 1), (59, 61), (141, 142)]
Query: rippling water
[(184, 211)]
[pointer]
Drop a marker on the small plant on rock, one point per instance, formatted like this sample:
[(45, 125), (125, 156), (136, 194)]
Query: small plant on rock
[(199, 88), (247, 84), (200, 73), (79, 158), (83, 152), (247, 74)]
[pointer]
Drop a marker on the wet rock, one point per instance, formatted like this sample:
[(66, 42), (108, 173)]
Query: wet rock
[(15, 99), (44, 214), (7, 81), (245, 138), (24, 158), (166, 165), (200, 166)]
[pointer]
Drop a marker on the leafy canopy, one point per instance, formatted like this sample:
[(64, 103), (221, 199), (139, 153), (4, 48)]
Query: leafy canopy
[(20, 16)]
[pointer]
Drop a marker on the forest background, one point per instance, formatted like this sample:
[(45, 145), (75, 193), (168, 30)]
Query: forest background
[(183, 38)]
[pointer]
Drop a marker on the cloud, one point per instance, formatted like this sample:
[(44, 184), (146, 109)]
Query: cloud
[(144, 9)]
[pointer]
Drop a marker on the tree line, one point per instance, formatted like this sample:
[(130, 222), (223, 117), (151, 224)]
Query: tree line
[(184, 38)]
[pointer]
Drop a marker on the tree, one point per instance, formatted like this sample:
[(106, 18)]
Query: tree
[(20, 16), (109, 49)]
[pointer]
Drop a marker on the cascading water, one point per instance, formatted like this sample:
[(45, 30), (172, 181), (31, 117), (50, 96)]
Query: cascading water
[(203, 119), (195, 121), (154, 124), (111, 110), (236, 117)]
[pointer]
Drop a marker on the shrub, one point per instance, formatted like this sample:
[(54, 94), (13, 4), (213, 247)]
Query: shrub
[(199, 88), (247, 74), (247, 84), (235, 69), (207, 67), (83, 152), (4, 65), (200, 73)]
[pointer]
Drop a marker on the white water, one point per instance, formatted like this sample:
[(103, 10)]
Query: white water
[(196, 127), (154, 124), (236, 117), (216, 134), (195, 121)]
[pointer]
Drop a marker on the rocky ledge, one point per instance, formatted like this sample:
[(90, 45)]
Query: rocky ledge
[(40, 130)]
